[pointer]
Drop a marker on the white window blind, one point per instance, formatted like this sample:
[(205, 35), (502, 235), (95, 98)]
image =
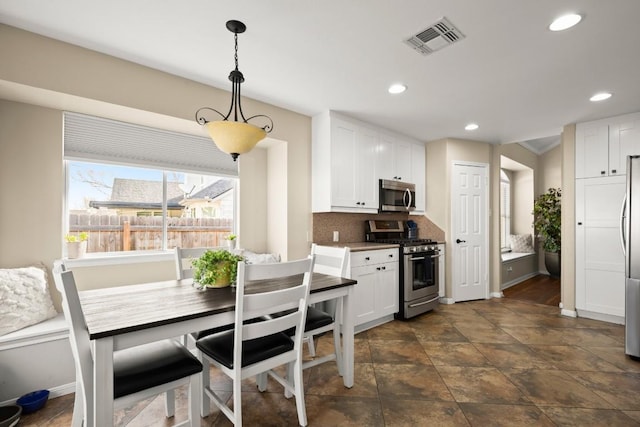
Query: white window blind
[(105, 140)]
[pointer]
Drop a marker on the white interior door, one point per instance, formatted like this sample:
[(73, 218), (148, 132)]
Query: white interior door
[(469, 227)]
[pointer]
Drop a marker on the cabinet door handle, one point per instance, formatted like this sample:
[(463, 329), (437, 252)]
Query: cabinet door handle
[(603, 172), (460, 241), (613, 170), (579, 223), (367, 258)]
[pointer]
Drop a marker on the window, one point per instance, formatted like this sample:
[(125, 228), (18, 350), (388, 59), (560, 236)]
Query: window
[(505, 209), (135, 188), (124, 208)]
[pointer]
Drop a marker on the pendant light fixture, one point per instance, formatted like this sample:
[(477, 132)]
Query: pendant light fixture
[(234, 136)]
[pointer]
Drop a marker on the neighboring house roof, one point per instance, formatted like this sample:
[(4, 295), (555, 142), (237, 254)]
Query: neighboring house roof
[(212, 191), (142, 194)]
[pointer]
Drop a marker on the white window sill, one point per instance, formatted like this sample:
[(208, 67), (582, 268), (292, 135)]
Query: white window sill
[(97, 259)]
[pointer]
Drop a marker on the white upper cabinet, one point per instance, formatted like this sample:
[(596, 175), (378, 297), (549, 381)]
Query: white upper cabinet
[(343, 166), (624, 140), (394, 158), (349, 158), (602, 146)]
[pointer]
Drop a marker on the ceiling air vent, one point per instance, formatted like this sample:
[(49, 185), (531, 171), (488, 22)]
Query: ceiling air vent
[(439, 35)]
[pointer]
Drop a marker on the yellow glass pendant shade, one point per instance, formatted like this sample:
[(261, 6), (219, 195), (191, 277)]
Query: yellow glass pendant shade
[(235, 137)]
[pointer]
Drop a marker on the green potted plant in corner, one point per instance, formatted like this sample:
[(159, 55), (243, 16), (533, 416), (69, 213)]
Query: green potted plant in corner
[(216, 268), (546, 223), (76, 244)]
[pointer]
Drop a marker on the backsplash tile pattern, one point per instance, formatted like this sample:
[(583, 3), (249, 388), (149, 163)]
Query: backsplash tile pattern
[(351, 226)]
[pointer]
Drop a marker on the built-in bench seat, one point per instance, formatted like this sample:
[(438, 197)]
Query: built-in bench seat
[(517, 267), (21, 360)]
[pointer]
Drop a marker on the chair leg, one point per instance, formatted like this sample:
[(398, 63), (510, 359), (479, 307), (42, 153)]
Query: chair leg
[(261, 379), (299, 392), (312, 346), (237, 399), (205, 402), (78, 407), (290, 378), (170, 403), (194, 400), (337, 348)]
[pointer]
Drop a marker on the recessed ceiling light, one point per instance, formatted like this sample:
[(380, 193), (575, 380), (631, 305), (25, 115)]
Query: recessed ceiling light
[(471, 126), (600, 96), (397, 88), (565, 21)]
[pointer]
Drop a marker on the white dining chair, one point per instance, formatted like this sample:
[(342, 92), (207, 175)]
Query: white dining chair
[(255, 349), (139, 372), (333, 261), (184, 270)]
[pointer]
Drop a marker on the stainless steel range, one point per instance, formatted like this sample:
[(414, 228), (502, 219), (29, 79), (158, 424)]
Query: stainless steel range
[(418, 268)]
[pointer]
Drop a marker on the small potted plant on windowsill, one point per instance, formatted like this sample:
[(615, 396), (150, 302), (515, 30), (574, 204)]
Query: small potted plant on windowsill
[(76, 244), (216, 268), (231, 241)]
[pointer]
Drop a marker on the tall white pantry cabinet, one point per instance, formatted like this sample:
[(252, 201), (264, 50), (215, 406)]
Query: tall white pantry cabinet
[(602, 147)]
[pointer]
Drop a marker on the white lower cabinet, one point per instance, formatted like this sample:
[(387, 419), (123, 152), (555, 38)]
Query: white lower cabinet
[(376, 294), (600, 280)]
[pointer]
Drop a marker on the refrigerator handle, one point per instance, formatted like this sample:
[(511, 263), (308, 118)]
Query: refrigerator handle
[(623, 216)]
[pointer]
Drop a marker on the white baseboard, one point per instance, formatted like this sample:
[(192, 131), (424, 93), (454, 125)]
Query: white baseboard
[(600, 316), (496, 295), (444, 300), (568, 313)]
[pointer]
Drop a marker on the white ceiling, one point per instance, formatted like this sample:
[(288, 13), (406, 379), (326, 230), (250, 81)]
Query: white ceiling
[(510, 74)]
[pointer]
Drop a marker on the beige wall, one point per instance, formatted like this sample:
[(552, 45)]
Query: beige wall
[(37, 70), (550, 172)]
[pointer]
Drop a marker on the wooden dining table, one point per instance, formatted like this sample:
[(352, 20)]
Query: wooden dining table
[(126, 316)]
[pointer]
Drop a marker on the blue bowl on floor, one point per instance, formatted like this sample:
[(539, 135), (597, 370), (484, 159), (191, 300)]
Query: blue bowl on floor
[(33, 401)]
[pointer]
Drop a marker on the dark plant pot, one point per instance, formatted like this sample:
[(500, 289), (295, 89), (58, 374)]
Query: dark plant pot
[(552, 263)]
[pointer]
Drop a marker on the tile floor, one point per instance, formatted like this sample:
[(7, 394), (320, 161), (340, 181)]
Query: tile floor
[(499, 362)]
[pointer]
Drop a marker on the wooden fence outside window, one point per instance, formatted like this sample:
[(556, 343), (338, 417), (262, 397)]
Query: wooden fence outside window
[(113, 233)]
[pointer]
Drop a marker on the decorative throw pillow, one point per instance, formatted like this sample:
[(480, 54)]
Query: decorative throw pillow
[(521, 243), (24, 298)]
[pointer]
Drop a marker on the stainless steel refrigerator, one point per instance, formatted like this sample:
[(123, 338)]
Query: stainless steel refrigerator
[(630, 234)]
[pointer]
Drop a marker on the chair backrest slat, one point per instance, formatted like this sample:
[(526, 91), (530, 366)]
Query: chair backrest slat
[(332, 261)]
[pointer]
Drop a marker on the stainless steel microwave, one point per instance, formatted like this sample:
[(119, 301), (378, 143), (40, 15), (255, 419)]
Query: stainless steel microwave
[(397, 196)]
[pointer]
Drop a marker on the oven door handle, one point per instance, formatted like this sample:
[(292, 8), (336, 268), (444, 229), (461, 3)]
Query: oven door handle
[(436, 256), (416, 259), (424, 302)]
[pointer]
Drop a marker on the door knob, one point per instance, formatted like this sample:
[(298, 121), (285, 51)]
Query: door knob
[(460, 241)]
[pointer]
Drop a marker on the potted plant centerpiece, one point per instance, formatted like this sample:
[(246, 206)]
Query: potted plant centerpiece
[(546, 223), (216, 268), (76, 244)]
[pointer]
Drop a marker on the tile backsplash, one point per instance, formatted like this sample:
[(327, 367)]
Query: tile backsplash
[(351, 226)]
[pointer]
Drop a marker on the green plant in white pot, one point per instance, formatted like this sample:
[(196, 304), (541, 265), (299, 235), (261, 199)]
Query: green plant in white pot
[(216, 268), (546, 223), (231, 241), (76, 244)]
